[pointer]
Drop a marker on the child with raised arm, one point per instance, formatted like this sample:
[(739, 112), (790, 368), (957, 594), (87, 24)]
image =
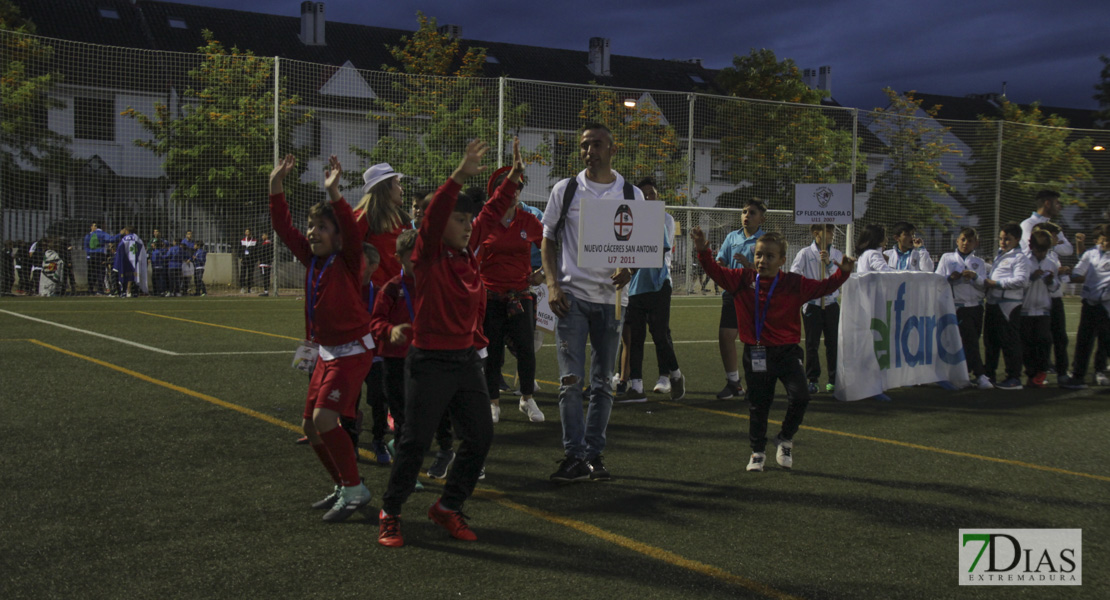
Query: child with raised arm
[(908, 253), (337, 321), (967, 274), (1093, 271), (444, 365), (768, 304)]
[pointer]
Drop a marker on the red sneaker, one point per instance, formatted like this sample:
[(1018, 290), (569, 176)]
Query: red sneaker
[(453, 521), (1037, 380), (389, 531)]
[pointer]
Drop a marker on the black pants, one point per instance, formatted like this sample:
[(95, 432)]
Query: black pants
[(264, 276), (438, 382), (518, 330), (246, 273), (375, 398), (1093, 323), (970, 319), (1059, 336), (1036, 340), (1001, 335), (650, 311), (94, 275), (198, 281), (393, 379), (159, 279), (784, 363), (175, 281), (819, 321)]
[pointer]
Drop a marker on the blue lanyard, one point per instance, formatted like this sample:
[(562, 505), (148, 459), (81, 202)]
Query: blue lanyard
[(408, 298), (370, 298), (314, 290), (903, 258), (760, 317)]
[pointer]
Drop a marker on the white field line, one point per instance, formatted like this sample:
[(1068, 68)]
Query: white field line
[(235, 353), (93, 333)]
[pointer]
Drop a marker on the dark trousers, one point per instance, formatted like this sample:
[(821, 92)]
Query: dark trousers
[(1036, 341), (175, 281), (517, 330), (970, 319), (246, 273), (1093, 323), (375, 398), (1001, 335), (94, 275), (264, 277), (1059, 336), (159, 280), (650, 312), (438, 382), (198, 281), (819, 321), (784, 363), (393, 379)]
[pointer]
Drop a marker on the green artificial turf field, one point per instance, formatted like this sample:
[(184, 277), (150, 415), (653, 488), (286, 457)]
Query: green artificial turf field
[(147, 451)]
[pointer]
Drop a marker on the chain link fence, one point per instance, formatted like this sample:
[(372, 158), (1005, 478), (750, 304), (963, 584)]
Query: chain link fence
[(168, 143)]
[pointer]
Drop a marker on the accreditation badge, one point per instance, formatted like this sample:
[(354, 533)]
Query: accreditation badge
[(305, 358), (759, 359)]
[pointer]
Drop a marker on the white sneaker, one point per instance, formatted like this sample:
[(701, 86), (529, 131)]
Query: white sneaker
[(756, 461), (616, 380), (663, 386), (785, 452), (529, 408), (495, 411), (984, 383), (242, 290), (1101, 378)]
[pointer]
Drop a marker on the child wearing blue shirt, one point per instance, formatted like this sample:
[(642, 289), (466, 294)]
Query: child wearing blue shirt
[(200, 257), (158, 265), (174, 256), (736, 252)]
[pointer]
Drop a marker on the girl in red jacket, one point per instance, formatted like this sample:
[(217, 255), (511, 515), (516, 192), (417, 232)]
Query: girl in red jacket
[(336, 323)]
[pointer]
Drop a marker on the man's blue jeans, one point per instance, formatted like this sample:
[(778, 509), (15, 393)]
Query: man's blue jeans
[(585, 437)]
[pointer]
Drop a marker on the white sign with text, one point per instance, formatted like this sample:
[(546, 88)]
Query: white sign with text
[(822, 203), (545, 317), (620, 234)]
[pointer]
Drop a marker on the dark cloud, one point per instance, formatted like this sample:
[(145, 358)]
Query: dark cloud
[(1044, 50)]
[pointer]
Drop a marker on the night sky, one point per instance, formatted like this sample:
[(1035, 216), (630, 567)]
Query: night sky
[(1046, 51)]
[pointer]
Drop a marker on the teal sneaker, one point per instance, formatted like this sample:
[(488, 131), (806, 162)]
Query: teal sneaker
[(829, 388)]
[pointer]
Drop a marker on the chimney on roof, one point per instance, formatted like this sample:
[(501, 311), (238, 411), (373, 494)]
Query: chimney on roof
[(453, 32), (694, 61), (824, 79), (599, 56), (808, 76), (312, 23)]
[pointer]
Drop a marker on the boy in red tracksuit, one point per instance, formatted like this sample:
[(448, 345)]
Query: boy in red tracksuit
[(768, 304), (336, 321), (444, 365)]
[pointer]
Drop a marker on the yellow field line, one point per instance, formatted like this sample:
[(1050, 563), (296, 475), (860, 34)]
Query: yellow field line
[(493, 495), (1005, 461), (284, 337)]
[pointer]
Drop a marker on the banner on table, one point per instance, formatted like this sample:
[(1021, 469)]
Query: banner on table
[(897, 329), (620, 234)]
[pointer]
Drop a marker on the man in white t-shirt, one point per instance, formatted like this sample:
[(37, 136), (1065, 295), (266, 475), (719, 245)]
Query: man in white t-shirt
[(585, 302)]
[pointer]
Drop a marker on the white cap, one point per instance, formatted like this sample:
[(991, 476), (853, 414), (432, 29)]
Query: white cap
[(377, 174)]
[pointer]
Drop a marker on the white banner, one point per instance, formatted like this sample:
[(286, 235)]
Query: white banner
[(545, 317), (823, 203), (897, 329), (619, 234)]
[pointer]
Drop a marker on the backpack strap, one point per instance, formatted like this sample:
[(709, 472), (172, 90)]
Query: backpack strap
[(568, 196), (629, 193)]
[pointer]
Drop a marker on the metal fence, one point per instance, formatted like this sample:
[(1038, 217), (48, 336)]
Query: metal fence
[(175, 142)]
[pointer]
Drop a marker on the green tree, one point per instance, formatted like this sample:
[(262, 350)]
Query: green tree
[(914, 174), (218, 147), (26, 84), (1038, 152), (647, 146), (767, 147), (441, 103)]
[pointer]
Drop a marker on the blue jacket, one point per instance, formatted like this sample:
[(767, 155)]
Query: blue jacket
[(173, 256), (200, 257), (158, 258), (102, 240)]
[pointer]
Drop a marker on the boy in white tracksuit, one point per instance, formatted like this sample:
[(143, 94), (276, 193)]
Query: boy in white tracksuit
[(1006, 284), (1036, 308), (820, 316), (967, 275), (908, 252), (1093, 271)]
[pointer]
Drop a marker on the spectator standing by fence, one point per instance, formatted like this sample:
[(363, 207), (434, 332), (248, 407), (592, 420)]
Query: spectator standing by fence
[(248, 259)]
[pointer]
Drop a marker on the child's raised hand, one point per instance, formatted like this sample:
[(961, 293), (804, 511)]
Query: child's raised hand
[(698, 237), (280, 172), (516, 175), (846, 264), (398, 334), (471, 162), (331, 177)]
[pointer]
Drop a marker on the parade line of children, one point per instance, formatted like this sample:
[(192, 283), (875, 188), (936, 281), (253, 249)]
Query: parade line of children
[(423, 317)]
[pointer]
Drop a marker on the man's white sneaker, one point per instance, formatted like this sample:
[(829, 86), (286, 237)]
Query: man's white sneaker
[(785, 454), (756, 461), (495, 412), (529, 408), (1101, 378), (663, 386), (984, 383)]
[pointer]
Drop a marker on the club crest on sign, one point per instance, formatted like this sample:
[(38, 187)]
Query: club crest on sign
[(622, 223), (823, 195)]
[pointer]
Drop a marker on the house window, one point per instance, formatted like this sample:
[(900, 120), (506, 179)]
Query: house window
[(178, 23), (94, 119), (109, 13)]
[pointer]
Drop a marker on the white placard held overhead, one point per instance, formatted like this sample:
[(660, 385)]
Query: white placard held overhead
[(620, 234), (827, 203)]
